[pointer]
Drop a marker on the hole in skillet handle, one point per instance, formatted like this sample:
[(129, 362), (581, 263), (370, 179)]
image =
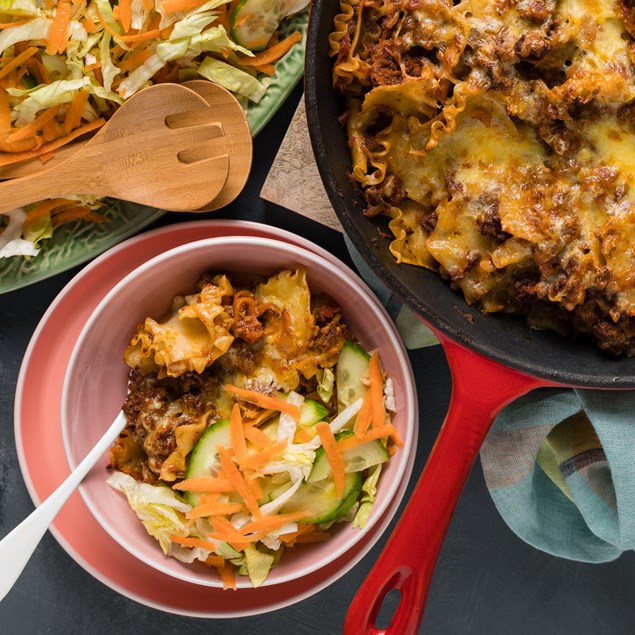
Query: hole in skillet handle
[(394, 611), (387, 610)]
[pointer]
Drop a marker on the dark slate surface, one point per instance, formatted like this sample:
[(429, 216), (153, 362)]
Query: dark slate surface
[(487, 582)]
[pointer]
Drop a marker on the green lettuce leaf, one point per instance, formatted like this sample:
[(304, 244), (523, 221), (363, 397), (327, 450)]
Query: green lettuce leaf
[(233, 79), (368, 498), (36, 29), (158, 507), (326, 382), (258, 563)]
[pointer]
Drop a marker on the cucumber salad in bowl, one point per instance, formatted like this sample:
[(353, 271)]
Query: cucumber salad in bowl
[(256, 423)]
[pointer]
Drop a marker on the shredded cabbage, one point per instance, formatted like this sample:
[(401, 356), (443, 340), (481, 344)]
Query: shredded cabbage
[(157, 507), (233, 79), (11, 244), (369, 497)]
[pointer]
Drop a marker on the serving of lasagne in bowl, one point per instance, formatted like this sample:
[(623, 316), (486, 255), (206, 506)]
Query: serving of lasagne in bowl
[(270, 406)]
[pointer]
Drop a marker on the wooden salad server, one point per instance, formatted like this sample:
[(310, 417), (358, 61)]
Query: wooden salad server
[(236, 128), (165, 147)]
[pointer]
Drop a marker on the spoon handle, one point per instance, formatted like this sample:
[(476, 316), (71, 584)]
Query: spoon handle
[(64, 178), (17, 547)]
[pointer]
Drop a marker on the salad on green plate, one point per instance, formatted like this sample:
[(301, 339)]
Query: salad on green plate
[(66, 65)]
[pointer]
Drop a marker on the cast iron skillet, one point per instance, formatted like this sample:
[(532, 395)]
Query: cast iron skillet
[(493, 360)]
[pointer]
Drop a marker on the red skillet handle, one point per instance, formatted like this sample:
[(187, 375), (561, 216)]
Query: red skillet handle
[(481, 388)]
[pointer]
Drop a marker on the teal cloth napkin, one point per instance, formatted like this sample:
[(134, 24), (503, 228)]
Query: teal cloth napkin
[(559, 464)]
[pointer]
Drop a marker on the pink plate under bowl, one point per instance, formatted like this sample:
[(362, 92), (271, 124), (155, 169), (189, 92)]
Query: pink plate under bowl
[(95, 386)]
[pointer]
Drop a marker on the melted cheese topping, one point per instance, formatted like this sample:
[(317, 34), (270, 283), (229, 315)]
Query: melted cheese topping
[(499, 138)]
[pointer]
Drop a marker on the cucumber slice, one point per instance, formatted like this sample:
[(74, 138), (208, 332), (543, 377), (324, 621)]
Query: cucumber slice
[(356, 459), (352, 366), (204, 460), (253, 22), (312, 412), (272, 487), (321, 500)]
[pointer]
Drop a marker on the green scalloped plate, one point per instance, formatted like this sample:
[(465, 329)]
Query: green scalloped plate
[(78, 242)]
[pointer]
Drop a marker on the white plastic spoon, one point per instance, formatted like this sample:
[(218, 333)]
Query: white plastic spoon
[(17, 546)]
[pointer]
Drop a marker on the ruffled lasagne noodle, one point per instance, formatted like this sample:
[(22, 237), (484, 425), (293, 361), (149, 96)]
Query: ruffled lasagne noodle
[(499, 139)]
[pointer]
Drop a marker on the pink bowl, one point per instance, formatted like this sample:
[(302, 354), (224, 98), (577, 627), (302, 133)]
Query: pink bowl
[(96, 381)]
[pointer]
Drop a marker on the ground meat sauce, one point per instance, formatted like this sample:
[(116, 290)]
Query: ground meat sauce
[(157, 406)]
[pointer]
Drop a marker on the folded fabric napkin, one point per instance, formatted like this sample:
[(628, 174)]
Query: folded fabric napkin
[(559, 464)]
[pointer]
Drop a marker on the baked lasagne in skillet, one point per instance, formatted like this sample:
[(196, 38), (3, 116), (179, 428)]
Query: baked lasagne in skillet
[(498, 136)]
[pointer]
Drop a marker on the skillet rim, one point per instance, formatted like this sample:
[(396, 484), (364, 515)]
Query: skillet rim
[(504, 339)]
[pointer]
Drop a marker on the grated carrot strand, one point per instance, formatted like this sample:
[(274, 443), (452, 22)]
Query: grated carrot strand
[(333, 455), (264, 401)]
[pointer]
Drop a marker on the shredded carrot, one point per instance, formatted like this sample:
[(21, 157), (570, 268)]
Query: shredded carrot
[(226, 574), (17, 60), (224, 531), (291, 537), (236, 541), (221, 524), (261, 418), (75, 110), (51, 129), (105, 25), (89, 25), (387, 430), (333, 455), (204, 485), (44, 208), (16, 149), (266, 69), (82, 212), (147, 4), (193, 542), (135, 60), (364, 416), (214, 561), (303, 435), (264, 401), (314, 536), (238, 481), (223, 17), (125, 14), (377, 391), (174, 6), (38, 70), (8, 25), (213, 509), (254, 485), (273, 53), (35, 126), (269, 523), (5, 115), (256, 436), (140, 37), (58, 33), (237, 434), (7, 159), (262, 457)]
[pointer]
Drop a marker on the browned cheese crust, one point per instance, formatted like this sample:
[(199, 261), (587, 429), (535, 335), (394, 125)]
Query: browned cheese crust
[(499, 138)]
